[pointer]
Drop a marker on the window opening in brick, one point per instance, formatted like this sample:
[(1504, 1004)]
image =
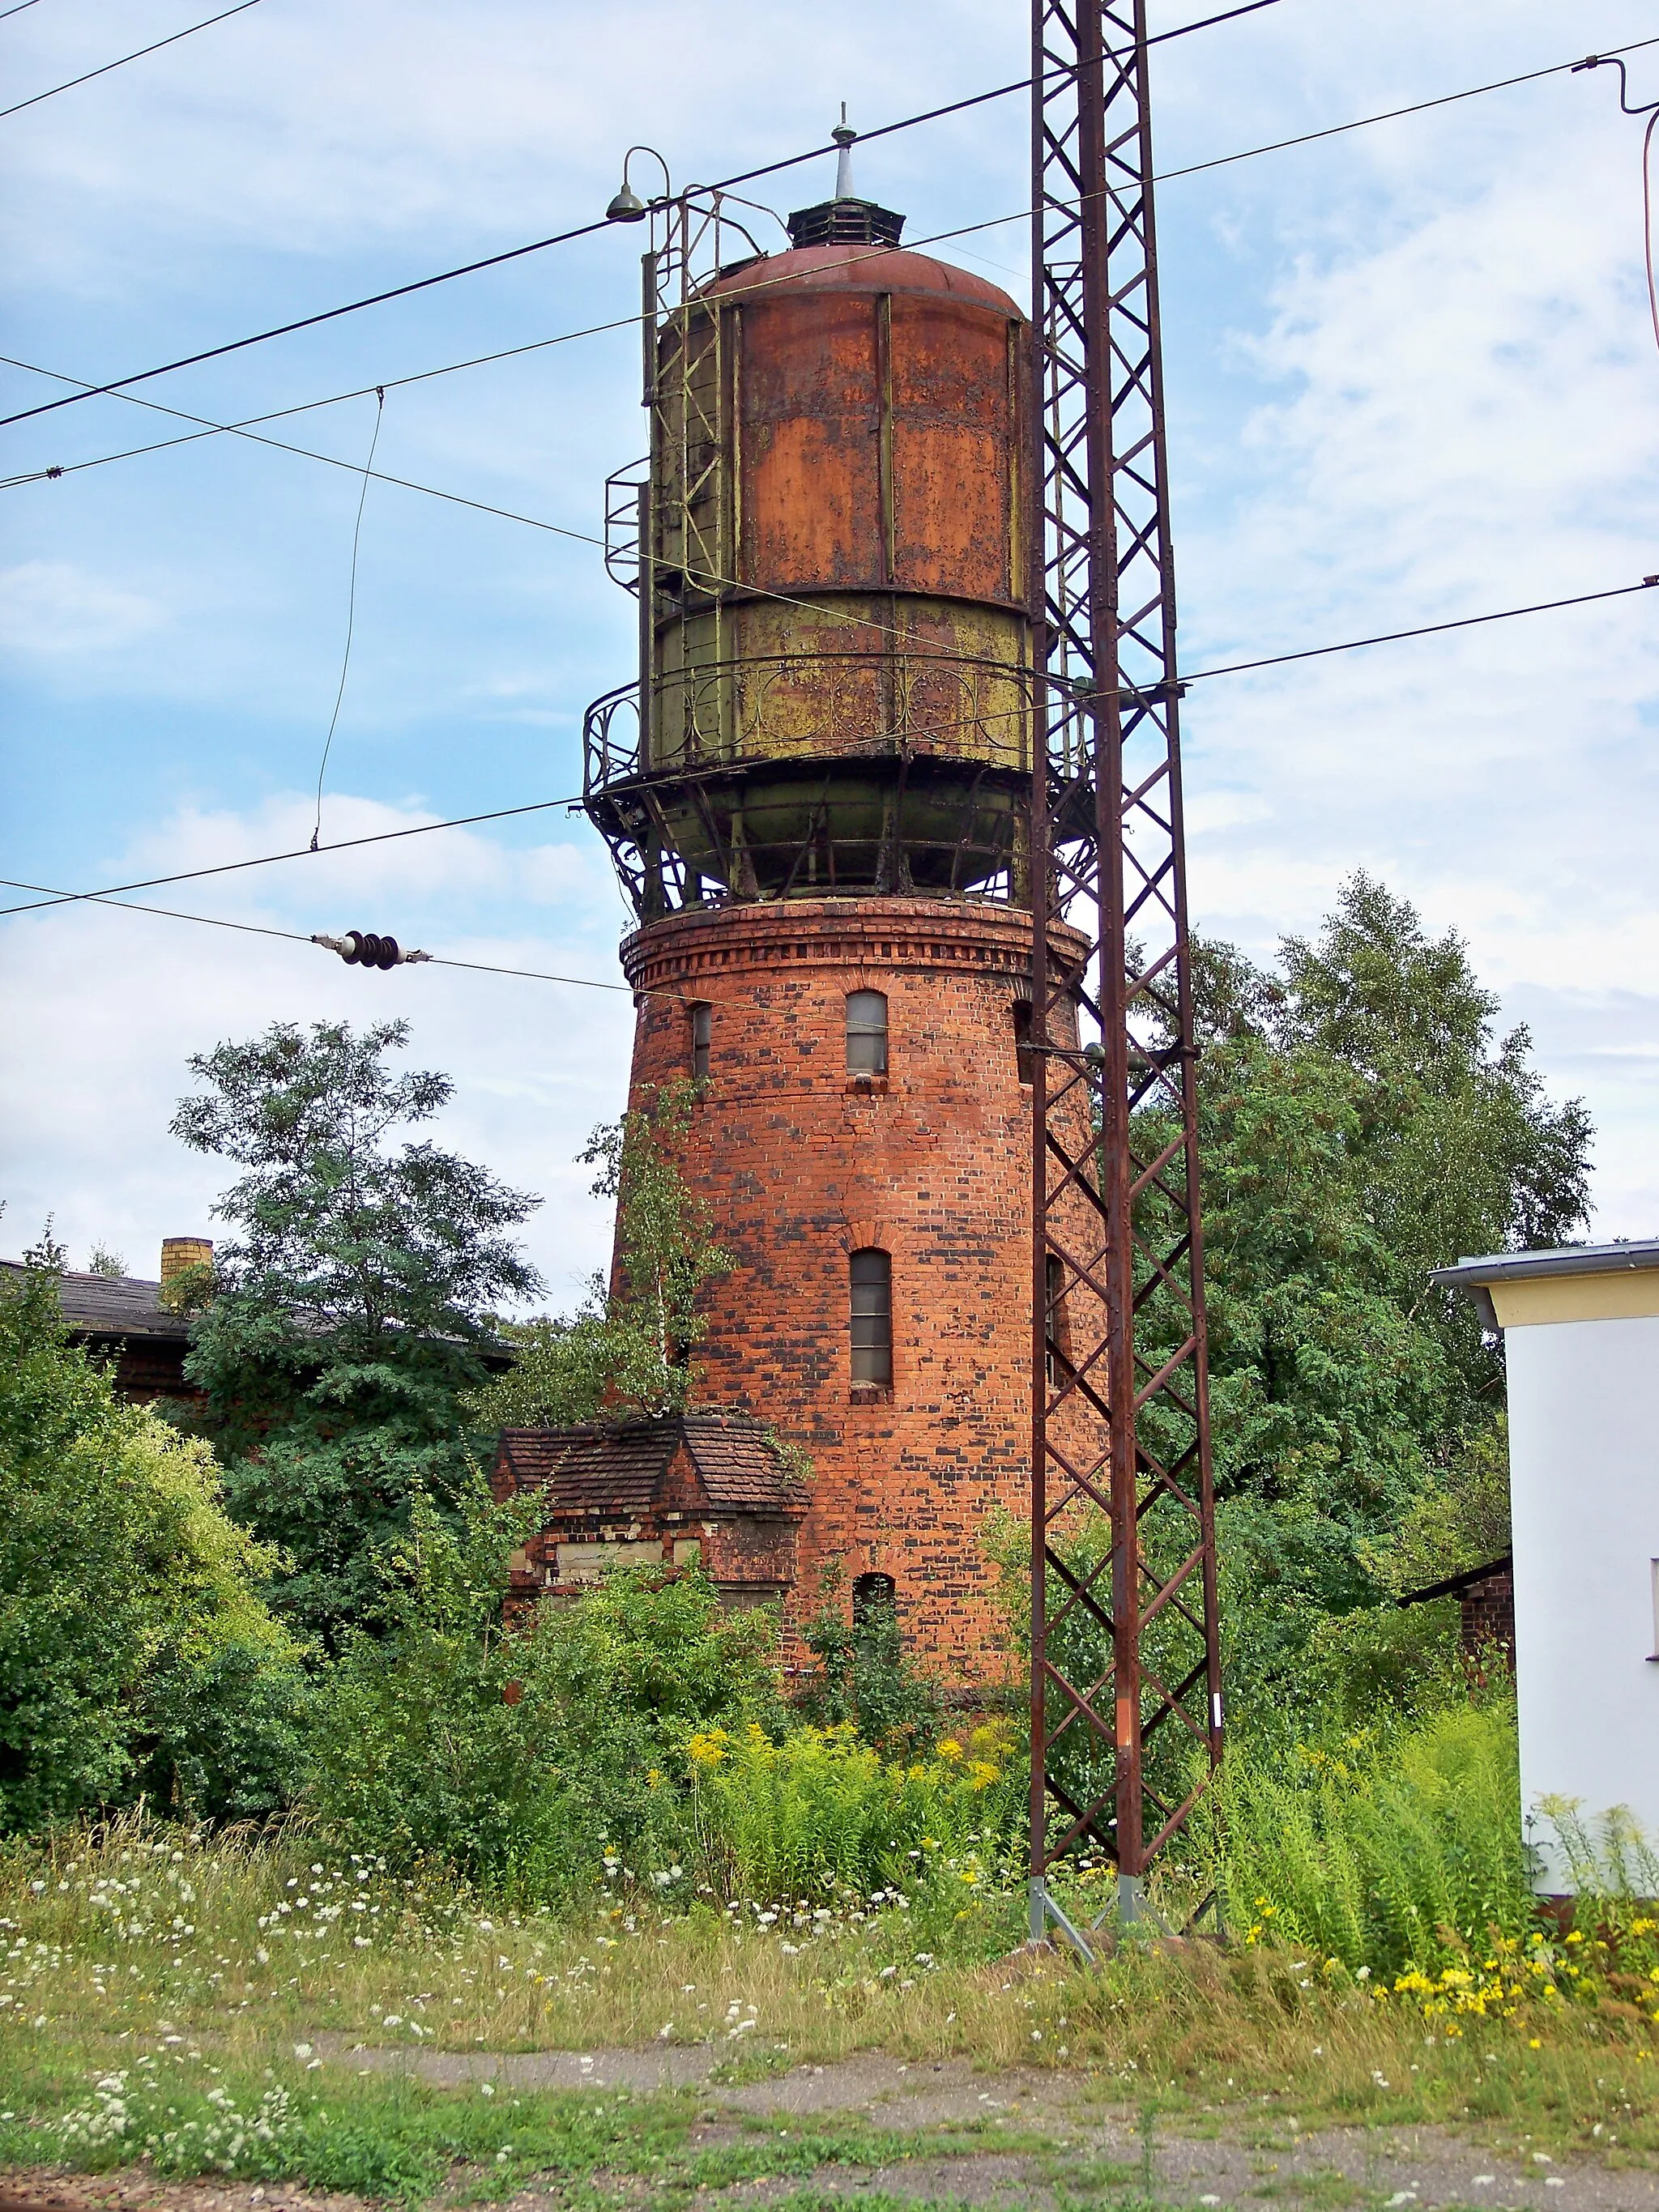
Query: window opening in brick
[(866, 1033), (1025, 1058), (1054, 1281), (872, 1274), (703, 1036), (875, 1598)]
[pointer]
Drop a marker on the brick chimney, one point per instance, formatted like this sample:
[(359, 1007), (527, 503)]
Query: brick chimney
[(178, 1252)]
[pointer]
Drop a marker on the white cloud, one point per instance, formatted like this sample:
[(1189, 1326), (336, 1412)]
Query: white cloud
[(1411, 377), (56, 610), (105, 1008)]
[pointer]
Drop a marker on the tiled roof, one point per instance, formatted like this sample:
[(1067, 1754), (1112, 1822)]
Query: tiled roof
[(592, 1470), (739, 1464), (114, 1305), (623, 1470)]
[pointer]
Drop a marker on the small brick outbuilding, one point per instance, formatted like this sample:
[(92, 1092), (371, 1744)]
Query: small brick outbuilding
[(1486, 1598), (123, 1322), (707, 1487)]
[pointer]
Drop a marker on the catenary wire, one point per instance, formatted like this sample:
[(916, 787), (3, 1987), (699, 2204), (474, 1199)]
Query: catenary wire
[(297, 937), (571, 801), (351, 612), (624, 322), (467, 268), (536, 245), (707, 578), (18, 9), (247, 426), (69, 83), (279, 445)]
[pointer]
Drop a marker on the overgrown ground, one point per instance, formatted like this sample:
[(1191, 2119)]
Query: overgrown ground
[(268, 2016)]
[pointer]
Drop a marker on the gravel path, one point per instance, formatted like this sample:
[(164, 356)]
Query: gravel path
[(1094, 2146)]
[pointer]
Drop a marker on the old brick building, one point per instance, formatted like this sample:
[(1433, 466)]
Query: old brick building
[(125, 1321), (705, 1488), (815, 796)]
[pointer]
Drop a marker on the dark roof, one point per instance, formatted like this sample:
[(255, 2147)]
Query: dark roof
[(1559, 1260), (114, 1305), (616, 1471), (622, 1469), (1454, 1585), (108, 1307)]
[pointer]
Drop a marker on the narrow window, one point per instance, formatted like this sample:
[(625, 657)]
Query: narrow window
[(1025, 1058), (866, 1033), (702, 1034), (1054, 1280), (872, 1317), (875, 1599)]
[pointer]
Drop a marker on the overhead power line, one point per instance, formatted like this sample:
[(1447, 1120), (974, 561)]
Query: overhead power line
[(540, 245), (88, 391), (18, 9), (111, 891), (211, 429), (86, 75), (298, 937)]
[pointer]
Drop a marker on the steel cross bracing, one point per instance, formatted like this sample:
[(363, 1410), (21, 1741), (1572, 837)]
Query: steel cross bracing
[(1125, 1685)]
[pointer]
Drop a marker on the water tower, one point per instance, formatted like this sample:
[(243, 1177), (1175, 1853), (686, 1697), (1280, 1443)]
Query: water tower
[(815, 793)]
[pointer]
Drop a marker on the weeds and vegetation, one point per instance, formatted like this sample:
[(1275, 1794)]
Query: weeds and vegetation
[(819, 1815), (196, 2001), (604, 1824), (136, 1649), (514, 1755)]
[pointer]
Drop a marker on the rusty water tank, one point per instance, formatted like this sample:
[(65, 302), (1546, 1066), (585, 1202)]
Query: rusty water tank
[(838, 644)]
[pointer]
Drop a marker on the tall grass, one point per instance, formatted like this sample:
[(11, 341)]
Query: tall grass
[(1382, 1854), (821, 1814)]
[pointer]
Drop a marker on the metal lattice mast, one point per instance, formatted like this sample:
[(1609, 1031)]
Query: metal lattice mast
[(1125, 1686)]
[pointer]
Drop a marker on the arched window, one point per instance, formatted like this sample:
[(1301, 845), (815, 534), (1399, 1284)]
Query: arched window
[(875, 1599), (1025, 1058), (866, 1033), (871, 1284), (702, 1038), (1054, 1283)]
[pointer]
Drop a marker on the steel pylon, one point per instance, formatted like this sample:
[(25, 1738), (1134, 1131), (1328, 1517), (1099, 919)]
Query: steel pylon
[(1126, 1682)]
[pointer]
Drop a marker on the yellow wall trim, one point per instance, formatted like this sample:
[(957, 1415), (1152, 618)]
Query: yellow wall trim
[(1624, 1294)]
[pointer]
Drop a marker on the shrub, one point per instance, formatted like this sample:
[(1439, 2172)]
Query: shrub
[(517, 1752), (863, 1675), (819, 1813), (135, 1653)]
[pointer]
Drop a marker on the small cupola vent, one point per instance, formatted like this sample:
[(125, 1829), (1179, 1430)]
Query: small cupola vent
[(846, 219), (845, 222)]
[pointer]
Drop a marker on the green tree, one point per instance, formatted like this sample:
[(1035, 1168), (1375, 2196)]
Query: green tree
[(1360, 1124), (135, 1653), (630, 1347), (345, 1315)]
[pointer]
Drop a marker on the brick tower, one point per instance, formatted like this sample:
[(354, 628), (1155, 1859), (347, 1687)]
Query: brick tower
[(816, 796)]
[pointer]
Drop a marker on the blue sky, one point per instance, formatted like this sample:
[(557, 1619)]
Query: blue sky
[(1412, 376)]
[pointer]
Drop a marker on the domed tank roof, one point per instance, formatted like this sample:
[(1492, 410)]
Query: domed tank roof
[(848, 267)]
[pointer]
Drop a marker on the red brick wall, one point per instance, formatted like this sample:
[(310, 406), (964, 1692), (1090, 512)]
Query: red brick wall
[(800, 1167), (1488, 1614)]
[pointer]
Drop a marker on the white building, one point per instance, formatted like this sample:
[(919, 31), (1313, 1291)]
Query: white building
[(1580, 1331)]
